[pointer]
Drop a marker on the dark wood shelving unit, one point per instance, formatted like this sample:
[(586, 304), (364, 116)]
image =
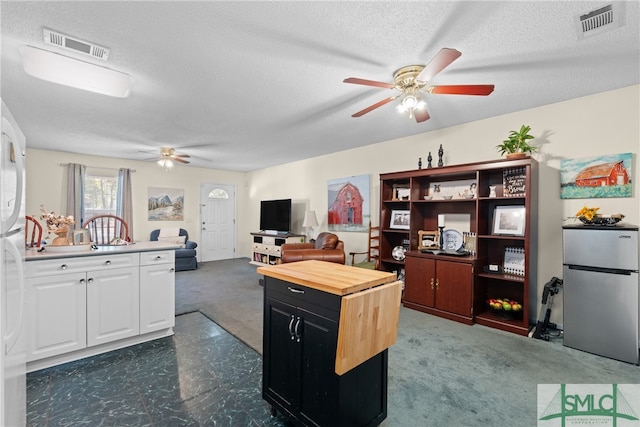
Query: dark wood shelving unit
[(477, 287)]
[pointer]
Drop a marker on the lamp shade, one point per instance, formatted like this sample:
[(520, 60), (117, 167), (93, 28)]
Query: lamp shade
[(310, 219), (63, 70)]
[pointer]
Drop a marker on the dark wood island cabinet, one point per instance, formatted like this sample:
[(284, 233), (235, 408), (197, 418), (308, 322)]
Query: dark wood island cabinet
[(327, 328)]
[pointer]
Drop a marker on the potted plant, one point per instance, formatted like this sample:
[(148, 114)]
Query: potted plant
[(516, 145)]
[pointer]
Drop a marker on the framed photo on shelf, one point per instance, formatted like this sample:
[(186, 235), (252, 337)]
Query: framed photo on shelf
[(509, 220), (428, 239), (401, 192), (513, 261), (399, 219)]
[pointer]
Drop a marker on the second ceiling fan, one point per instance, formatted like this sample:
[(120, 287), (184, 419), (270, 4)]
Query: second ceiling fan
[(413, 80)]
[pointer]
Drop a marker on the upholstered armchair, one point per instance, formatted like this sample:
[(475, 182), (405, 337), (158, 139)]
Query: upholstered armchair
[(327, 247), (186, 255)]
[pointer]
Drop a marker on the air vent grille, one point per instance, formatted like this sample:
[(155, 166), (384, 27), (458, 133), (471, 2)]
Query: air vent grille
[(75, 44), (600, 20)]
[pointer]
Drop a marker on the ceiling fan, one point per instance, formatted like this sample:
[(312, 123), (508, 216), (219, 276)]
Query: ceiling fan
[(169, 155), (413, 80)]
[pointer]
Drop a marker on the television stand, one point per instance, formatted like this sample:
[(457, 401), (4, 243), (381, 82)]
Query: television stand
[(265, 249)]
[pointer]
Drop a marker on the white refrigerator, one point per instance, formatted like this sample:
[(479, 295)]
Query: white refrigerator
[(13, 354)]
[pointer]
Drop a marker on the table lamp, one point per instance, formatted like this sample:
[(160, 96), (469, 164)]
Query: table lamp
[(309, 222)]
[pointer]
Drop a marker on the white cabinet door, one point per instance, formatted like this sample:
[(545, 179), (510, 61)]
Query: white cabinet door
[(112, 305), (157, 297), (56, 315)]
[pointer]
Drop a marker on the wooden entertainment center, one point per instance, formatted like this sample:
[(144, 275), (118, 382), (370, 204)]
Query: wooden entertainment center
[(489, 196)]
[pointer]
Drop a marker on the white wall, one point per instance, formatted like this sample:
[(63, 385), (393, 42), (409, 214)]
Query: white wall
[(605, 123), (46, 186)]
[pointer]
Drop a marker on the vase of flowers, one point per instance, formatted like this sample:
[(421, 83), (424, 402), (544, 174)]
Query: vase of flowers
[(58, 225)]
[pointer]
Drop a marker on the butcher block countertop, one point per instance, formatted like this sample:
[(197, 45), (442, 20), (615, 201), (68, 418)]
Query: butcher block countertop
[(327, 276)]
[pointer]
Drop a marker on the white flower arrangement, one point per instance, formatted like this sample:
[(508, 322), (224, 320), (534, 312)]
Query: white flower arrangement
[(55, 222)]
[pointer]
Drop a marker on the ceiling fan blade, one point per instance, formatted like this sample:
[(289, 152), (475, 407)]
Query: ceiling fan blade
[(178, 159), (358, 81), (439, 62), (374, 106), (421, 115), (482, 90), (181, 155)]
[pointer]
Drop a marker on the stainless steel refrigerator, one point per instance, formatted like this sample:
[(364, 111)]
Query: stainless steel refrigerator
[(601, 298)]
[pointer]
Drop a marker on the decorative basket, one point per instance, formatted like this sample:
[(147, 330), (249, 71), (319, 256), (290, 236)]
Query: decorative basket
[(602, 220)]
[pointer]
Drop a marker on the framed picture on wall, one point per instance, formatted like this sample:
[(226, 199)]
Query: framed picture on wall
[(509, 220), (399, 219)]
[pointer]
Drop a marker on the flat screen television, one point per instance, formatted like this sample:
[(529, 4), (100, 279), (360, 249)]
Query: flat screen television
[(275, 215)]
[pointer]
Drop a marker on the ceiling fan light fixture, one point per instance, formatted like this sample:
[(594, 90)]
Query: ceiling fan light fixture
[(60, 69), (166, 163), (409, 102)]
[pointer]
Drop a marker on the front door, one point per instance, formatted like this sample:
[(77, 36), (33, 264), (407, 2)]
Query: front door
[(218, 217)]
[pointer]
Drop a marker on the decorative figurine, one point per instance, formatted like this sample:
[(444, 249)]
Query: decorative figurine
[(440, 154), (419, 162), (429, 158), (441, 229)]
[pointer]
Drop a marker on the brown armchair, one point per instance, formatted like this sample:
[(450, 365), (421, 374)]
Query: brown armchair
[(327, 247)]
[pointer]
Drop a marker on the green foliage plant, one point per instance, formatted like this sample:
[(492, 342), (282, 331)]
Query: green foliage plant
[(517, 142)]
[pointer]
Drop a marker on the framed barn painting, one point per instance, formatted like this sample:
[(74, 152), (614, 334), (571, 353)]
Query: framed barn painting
[(348, 203), (166, 204), (596, 177)]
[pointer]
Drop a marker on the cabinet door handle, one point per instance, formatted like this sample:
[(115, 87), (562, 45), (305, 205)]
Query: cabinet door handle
[(432, 285), (291, 334), (158, 258), (297, 328), (82, 281), (63, 267), (107, 262), (171, 270), (437, 283), (90, 280), (295, 291)]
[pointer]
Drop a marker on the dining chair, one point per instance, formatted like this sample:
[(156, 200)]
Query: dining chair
[(107, 230), (32, 232)]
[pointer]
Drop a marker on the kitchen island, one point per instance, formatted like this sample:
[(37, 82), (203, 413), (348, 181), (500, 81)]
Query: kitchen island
[(327, 328), (81, 301)]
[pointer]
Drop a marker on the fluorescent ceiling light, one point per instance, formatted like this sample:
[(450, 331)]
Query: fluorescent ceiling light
[(63, 70)]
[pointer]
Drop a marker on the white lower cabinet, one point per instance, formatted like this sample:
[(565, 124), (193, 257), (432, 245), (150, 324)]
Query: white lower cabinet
[(57, 315), (157, 293), (88, 305), (113, 305)]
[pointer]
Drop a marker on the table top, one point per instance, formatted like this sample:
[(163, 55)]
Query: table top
[(328, 277), (69, 252)]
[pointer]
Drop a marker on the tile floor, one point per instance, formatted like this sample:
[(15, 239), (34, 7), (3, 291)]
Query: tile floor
[(202, 376)]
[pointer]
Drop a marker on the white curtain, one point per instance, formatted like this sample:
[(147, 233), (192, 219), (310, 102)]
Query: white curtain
[(124, 204), (75, 192)]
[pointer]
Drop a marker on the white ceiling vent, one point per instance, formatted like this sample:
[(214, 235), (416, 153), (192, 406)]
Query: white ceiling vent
[(600, 20), (75, 44)]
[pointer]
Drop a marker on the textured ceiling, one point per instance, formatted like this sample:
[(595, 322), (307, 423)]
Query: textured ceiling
[(245, 85)]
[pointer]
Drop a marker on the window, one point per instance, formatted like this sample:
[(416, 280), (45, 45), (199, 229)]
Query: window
[(100, 192), (218, 193)]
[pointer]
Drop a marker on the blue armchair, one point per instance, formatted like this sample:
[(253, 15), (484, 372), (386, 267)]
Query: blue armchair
[(185, 257)]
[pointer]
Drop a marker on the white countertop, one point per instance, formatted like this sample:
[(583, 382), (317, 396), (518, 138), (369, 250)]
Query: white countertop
[(33, 254)]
